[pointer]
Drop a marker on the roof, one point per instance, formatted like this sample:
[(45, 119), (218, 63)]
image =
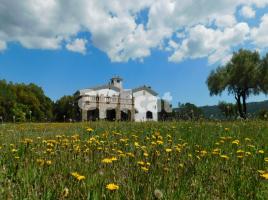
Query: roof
[(146, 88), (108, 86)]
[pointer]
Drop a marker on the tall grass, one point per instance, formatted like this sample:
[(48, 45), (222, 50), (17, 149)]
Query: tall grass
[(169, 160)]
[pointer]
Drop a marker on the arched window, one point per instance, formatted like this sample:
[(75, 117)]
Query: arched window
[(149, 115)]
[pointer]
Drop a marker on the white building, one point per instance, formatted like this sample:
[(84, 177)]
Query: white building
[(113, 102)]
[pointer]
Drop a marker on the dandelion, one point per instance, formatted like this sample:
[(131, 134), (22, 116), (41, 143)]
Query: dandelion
[(112, 187), (65, 192), (158, 194), (225, 157), (261, 152), (90, 129), (78, 176), (145, 169), (264, 175), (235, 142), (168, 150), (107, 160)]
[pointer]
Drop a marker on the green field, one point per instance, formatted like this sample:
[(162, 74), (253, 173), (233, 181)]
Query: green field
[(101, 160)]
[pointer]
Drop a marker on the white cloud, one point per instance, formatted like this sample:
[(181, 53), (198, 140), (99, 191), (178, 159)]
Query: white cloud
[(225, 21), (259, 34), (78, 45), (115, 29), (3, 46), (207, 42), (247, 12)]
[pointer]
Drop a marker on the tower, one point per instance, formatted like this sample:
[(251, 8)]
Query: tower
[(117, 82)]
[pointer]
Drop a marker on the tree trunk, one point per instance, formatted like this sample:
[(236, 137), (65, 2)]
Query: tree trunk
[(244, 105), (239, 106)]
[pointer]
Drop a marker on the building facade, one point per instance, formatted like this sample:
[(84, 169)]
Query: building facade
[(113, 102)]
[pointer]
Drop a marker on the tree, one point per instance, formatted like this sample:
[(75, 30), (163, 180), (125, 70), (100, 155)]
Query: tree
[(24, 102), (228, 109), (66, 108), (240, 77), (189, 111)]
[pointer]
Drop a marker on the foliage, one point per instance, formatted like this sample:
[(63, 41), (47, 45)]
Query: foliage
[(67, 109), (228, 109), (188, 111), (263, 114), (243, 76), (185, 160), (22, 102)]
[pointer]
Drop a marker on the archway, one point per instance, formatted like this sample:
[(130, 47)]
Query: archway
[(111, 115), (149, 115), (93, 115), (125, 115)]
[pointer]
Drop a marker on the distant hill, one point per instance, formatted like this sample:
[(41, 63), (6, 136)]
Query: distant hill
[(253, 109)]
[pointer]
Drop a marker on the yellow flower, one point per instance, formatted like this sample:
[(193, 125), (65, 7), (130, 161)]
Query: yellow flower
[(48, 162), (90, 129), (168, 150), (145, 154), (107, 160), (112, 187), (225, 157), (264, 175), (141, 163), (65, 192), (261, 152), (159, 142), (79, 178), (145, 169), (235, 142), (41, 162)]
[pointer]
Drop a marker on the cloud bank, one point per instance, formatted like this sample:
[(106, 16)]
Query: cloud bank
[(129, 30)]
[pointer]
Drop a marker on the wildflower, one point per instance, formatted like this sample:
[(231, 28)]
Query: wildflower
[(159, 142), (41, 162), (168, 150), (78, 176), (48, 162), (226, 129), (264, 175), (90, 129), (261, 152), (145, 169), (235, 142), (141, 163), (112, 187), (107, 160), (239, 151), (266, 159), (225, 157), (65, 192), (158, 194), (145, 154)]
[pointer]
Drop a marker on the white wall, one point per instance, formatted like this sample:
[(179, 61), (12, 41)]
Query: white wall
[(145, 101)]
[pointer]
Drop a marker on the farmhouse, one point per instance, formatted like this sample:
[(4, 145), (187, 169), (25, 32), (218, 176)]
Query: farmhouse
[(112, 102)]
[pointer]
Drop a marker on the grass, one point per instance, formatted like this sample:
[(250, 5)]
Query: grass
[(171, 160)]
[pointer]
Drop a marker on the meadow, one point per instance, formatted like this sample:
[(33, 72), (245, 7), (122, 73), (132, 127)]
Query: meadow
[(112, 160)]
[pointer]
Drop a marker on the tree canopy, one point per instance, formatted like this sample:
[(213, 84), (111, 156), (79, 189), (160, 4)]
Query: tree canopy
[(244, 75), (21, 102)]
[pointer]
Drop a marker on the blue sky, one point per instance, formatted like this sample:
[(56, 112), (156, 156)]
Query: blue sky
[(143, 49)]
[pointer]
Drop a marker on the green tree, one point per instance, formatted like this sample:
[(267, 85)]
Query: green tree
[(189, 111), (228, 109), (66, 108), (240, 77)]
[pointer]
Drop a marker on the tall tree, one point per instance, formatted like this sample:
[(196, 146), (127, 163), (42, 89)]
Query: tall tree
[(240, 77)]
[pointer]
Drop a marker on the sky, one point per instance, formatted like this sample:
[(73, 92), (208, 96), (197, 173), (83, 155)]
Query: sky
[(170, 45)]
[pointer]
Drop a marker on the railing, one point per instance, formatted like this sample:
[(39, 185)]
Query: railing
[(105, 99)]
